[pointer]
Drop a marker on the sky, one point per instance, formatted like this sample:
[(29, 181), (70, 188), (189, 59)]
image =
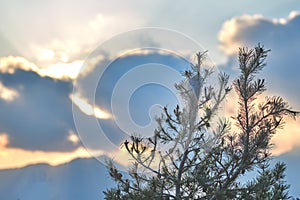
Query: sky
[(71, 66)]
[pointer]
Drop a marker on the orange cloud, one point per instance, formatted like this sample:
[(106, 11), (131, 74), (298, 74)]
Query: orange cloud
[(285, 140), (17, 158)]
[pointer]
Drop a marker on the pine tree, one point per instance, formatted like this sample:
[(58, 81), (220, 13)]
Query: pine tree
[(189, 157)]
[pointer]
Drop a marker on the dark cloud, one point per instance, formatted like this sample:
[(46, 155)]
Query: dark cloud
[(140, 102), (40, 118)]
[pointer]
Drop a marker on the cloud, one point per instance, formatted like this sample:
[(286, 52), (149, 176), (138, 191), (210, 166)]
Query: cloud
[(12, 157), (73, 137), (11, 63), (282, 70), (37, 105), (7, 94), (288, 138), (88, 109), (55, 42), (284, 140), (250, 29), (60, 70), (41, 115)]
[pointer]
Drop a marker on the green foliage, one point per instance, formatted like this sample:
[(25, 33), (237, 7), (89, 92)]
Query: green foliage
[(188, 158)]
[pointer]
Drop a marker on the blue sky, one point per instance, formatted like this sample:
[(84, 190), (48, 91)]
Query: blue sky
[(45, 44)]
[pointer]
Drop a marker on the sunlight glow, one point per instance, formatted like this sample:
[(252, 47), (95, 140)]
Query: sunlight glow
[(62, 70), (46, 54)]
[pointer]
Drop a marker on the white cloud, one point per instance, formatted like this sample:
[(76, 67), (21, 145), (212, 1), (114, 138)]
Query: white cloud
[(248, 29), (57, 50), (60, 70), (10, 64), (7, 94), (69, 48), (72, 137), (61, 57), (88, 109)]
